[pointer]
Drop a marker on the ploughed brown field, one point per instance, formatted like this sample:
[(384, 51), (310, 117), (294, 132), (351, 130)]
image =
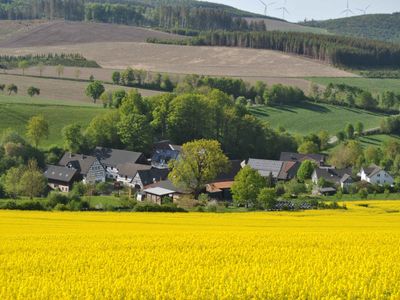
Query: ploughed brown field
[(118, 46)]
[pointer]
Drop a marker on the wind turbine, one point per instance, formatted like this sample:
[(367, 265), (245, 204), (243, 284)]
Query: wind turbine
[(364, 10), (283, 9), (347, 10), (266, 5)]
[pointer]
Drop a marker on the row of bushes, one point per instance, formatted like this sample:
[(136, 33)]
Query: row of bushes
[(69, 60)]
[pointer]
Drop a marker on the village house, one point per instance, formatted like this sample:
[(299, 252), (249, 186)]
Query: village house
[(220, 188), (342, 178), (61, 178), (280, 170), (318, 159), (376, 175), (163, 153), (145, 177), (111, 159), (89, 167), (128, 171)]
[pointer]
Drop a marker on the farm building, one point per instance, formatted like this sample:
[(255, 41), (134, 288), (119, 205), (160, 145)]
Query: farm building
[(342, 178), (111, 159), (89, 167), (318, 159), (280, 170), (61, 178), (376, 175)]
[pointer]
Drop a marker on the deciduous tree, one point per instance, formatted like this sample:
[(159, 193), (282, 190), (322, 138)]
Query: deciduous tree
[(94, 90), (247, 186), (37, 129), (200, 162)]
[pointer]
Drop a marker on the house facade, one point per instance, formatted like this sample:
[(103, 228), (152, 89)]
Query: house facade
[(342, 178), (113, 159), (89, 167), (127, 172), (143, 178), (60, 178), (376, 175)]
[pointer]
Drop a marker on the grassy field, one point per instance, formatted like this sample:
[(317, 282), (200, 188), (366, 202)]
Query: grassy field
[(323, 254), (377, 139), (15, 112), (370, 84), (311, 118), (62, 89)]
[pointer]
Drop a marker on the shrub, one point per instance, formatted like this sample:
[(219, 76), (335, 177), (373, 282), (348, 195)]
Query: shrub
[(363, 193), (60, 207), (55, 198), (31, 205), (152, 207)]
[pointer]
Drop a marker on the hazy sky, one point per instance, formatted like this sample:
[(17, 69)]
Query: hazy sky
[(314, 9)]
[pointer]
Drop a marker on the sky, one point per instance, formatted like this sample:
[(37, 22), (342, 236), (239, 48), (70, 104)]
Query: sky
[(314, 9)]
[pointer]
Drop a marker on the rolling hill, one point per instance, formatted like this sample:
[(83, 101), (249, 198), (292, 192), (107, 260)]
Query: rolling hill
[(65, 33), (311, 117), (17, 110), (385, 27)]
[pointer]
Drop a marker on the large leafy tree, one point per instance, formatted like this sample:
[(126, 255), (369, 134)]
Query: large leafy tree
[(200, 162), (94, 90), (12, 181), (247, 186), (133, 127), (37, 129), (189, 118), (73, 138), (102, 130), (33, 182), (305, 171)]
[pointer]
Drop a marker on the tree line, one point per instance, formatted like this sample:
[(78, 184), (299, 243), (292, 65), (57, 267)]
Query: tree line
[(350, 96), (336, 50), (137, 122), (50, 59), (182, 15)]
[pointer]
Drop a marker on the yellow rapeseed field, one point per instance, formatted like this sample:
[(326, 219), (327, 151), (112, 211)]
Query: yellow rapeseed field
[(353, 254)]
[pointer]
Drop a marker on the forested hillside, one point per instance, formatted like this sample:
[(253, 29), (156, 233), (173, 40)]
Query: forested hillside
[(163, 14), (336, 50), (384, 27)]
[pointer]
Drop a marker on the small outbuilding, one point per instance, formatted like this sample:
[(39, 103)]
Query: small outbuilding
[(158, 194)]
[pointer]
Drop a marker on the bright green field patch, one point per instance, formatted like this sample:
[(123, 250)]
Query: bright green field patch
[(16, 111), (311, 118), (372, 85)]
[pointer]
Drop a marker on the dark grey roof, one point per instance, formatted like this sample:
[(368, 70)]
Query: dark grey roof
[(289, 170), (161, 157), (336, 176), (291, 156), (59, 173), (372, 170), (114, 157), (152, 175), (234, 168), (78, 161), (266, 167), (130, 169)]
